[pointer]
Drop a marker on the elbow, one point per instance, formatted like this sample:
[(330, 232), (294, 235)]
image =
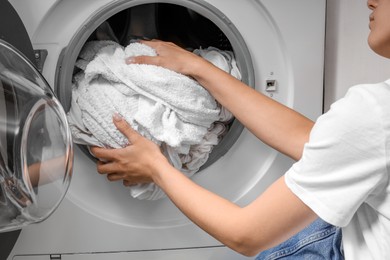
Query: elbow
[(249, 252), (246, 246), (246, 250)]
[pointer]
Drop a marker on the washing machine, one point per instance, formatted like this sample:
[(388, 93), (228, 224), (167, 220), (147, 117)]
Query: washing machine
[(36, 151), (279, 49)]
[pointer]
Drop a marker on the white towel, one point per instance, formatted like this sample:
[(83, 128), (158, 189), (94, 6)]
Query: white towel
[(222, 59), (168, 108), (160, 103)]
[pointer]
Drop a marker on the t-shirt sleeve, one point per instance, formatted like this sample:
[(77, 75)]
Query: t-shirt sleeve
[(344, 161)]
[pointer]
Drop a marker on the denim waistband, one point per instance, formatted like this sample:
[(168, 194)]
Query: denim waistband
[(319, 240)]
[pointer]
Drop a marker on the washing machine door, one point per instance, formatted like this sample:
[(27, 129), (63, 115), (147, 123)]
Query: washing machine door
[(36, 152)]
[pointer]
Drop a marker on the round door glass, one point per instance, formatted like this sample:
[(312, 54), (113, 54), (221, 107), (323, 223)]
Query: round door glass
[(36, 152)]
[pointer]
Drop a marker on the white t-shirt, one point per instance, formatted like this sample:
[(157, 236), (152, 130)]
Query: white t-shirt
[(344, 171)]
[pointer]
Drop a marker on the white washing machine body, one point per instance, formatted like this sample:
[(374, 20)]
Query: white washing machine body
[(279, 47)]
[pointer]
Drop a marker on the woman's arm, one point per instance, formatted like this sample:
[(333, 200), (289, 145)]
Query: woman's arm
[(275, 124), (270, 219)]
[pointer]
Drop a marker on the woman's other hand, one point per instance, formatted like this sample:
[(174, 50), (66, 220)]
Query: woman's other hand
[(136, 163)]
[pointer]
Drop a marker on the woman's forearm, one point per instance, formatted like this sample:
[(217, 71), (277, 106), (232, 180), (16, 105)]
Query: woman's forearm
[(275, 124), (269, 220), (214, 214)]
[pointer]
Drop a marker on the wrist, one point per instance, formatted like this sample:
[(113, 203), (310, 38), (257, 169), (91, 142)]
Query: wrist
[(198, 67), (159, 168)]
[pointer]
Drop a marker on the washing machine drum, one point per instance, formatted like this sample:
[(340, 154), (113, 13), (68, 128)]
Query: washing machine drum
[(35, 143)]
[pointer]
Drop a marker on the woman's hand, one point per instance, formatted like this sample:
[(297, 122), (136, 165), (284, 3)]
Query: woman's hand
[(136, 163), (172, 57)]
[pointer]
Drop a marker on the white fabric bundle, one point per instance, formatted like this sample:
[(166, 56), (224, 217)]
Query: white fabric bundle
[(168, 108)]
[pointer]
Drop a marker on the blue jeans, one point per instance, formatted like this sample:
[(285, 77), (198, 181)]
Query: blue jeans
[(319, 240)]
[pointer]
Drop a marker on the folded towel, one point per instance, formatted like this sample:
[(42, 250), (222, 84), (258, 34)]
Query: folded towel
[(168, 108)]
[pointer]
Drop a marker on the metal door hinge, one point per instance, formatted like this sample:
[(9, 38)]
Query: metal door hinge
[(40, 58)]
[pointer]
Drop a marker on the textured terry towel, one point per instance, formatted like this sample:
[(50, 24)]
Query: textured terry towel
[(161, 104), (168, 108)]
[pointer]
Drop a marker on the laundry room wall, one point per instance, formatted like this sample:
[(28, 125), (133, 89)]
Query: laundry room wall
[(348, 58)]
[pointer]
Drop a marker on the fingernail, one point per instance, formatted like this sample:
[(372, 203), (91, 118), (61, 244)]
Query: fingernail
[(129, 60), (117, 117)]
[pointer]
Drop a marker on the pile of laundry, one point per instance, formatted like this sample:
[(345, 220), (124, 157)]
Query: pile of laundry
[(169, 108)]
